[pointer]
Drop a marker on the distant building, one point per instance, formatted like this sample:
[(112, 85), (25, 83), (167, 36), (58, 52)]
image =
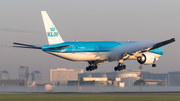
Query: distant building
[(36, 76), (30, 78), (98, 81), (117, 78), (86, 74), (13, 82), (99, 74), (155, 76), (129, 77), (152, 82), (62, 75), (4, 75), (23, 72), (174, 78)]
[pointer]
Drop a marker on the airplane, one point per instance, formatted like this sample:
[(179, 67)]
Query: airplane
[(96, 52), (33, 84)]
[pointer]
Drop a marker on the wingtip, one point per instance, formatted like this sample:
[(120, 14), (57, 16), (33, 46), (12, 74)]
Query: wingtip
[(173, 39)]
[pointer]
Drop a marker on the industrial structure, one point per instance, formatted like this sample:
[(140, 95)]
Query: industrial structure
[(62, 75), (120, 78), (155, 78)]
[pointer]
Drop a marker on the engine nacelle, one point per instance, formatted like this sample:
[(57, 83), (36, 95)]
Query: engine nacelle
[(146, 58)]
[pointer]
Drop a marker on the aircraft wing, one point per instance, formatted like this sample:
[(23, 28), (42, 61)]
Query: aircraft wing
[(31, 46), (135, 49), (160, 44), (156, 45)]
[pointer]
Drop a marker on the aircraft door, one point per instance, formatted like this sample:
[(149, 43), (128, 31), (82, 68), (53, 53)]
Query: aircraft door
[(73, 49), (97, 48)]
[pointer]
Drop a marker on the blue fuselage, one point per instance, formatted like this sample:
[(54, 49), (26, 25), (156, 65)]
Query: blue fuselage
[(92, 46)]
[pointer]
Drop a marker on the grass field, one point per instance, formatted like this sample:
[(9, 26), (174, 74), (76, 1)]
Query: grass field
[(82, 97)]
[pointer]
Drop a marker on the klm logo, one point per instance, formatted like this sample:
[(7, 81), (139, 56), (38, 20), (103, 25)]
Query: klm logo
[(52, 34), (52, 29)]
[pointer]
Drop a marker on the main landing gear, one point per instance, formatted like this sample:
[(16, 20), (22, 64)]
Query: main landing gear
[(120, 67), (154, 65), (92, 66)]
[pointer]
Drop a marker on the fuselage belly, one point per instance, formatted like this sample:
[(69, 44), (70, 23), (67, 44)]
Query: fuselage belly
[(82, 56), (90, 56)]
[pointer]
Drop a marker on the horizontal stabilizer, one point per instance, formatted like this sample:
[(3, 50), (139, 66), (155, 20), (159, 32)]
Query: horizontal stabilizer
[(21, 45), (27, 47)]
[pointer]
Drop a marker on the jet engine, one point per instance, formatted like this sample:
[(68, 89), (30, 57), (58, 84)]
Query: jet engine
[(146, 58)]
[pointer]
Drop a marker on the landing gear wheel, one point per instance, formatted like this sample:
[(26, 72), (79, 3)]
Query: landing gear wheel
[(87, 68), (115, 68), (119, 68), (95, 67), (123, 66), (153, 65), (91, 68)]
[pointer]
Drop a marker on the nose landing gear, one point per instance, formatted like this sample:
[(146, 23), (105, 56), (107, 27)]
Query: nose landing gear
[(154, 65)]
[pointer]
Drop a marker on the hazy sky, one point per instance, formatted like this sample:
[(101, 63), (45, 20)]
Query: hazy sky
[(116, 20)]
